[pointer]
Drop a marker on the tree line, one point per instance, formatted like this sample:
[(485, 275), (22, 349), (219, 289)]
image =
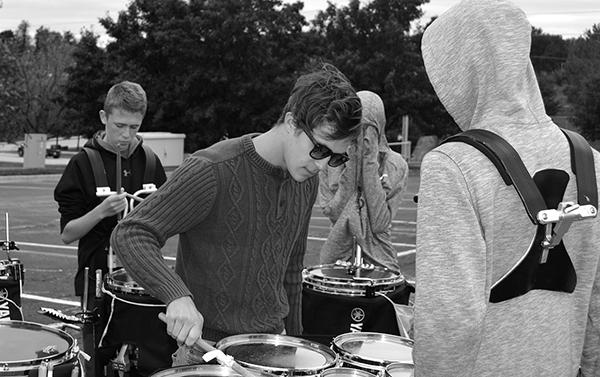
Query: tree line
[(225, 67)]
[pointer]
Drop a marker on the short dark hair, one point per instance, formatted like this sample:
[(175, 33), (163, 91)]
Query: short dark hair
[(325, 95), (128, 96)]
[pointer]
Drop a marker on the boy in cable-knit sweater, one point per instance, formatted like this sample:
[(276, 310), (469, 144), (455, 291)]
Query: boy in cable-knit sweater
[(241, 208)]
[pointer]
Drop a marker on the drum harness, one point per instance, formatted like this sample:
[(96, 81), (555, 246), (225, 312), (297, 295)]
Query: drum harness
[(103, 190), (546, 265)]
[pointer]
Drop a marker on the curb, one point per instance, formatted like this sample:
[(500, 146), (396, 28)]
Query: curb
[(25, 177)]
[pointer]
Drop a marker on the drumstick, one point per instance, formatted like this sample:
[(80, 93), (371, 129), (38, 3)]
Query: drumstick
[(206, 347)]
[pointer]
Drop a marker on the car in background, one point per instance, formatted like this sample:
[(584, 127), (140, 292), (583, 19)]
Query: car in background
[(53, 151)]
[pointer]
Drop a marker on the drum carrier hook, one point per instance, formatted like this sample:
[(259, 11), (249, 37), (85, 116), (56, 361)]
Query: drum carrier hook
[(558, 221)]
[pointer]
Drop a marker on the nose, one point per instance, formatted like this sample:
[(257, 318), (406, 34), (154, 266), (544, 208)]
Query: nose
[(322, 164)]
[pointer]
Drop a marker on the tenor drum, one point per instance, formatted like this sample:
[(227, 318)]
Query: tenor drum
[(337, 299), (204, 370), (131, 317), (399, 370), (29, 348), (372, 352), (278, 354)]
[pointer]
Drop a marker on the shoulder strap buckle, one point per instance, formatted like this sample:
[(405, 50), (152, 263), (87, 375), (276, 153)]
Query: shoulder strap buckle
[(558, 221)]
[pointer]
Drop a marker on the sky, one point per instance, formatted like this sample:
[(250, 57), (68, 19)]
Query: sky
[(569, 18)]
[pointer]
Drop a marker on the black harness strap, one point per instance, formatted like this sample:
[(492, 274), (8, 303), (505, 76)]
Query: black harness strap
[(97, 166), (582, 161), (150, 169), (509, 165), (100, 172)]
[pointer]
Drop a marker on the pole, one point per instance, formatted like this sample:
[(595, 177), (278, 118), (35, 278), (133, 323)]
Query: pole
[(405, 143)]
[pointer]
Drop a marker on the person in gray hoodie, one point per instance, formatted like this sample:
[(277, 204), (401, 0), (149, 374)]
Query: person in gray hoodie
[(472, 229), (380, 174)]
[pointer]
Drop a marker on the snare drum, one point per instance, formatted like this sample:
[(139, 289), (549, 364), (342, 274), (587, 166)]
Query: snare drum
[(337, 300), (371, 351), (31, 348), (204, 370), (132, 318), (278, 354)]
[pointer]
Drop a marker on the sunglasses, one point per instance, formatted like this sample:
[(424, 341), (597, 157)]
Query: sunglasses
[(320, 152)]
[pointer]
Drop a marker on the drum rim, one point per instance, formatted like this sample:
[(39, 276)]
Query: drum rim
[(216, 370), (398, 364), (352, 371), (348, 356), (244, 339), (309, 277), (112, 284), (57, 359), (345, 291)]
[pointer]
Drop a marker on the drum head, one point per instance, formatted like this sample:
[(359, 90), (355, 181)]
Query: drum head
[(399, 370), (25, 345), (278, 353), (203, 370), (373, 348), (120, 281), (336, 279)]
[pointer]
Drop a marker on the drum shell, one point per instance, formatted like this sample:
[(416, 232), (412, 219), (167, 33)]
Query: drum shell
[(204, 370), (325, 316), (131, 317), (62, 362), (348, 348), (278, 352)]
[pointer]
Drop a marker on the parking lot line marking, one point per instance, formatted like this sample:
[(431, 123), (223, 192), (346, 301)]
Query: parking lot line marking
[(51, 300), (46, 245), (406, 253)]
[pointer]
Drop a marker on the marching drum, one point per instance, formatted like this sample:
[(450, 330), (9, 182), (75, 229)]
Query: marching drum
[(204, 370), (339, 298), (278, 354), (373, 352), (132, 318), (32, 349)]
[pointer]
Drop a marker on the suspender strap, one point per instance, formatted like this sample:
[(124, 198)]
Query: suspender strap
[(509, 165), (582, 165), (150, 169), (97, 167)]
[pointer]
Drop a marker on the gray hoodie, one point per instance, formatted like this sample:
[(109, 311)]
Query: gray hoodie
[(472, 228), (381, 173)]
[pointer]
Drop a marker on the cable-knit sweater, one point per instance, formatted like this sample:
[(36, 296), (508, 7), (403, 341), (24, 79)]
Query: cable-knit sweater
[(243, 226)]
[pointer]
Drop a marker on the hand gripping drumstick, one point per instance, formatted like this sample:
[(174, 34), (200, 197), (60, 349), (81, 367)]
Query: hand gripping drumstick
[(213, 353)]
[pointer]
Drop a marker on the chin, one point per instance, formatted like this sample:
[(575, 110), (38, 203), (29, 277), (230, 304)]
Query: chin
[(300, 176)]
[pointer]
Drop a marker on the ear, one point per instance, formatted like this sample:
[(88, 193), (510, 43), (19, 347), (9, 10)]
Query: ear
[(289, 123), (103, 117)]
